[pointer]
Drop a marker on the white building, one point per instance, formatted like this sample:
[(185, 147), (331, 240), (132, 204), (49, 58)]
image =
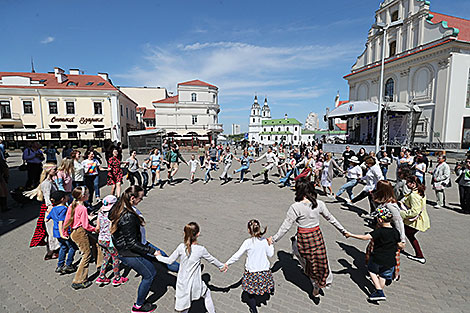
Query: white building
[(427, 65), (312, 122), (236, 129), (192, 113)]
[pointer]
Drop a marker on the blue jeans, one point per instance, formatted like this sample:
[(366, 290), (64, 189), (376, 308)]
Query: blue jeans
[(348, 187), (67, 247), (285, 180), (174, 267), (92, 182), (242, 171), (384, 171), (214, 165), (207, 176), (145, 269), (76, 184), (382, 271)]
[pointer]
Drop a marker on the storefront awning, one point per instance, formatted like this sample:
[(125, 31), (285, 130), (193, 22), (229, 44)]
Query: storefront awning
[(367, 107)]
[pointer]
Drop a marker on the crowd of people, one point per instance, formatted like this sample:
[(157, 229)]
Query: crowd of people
[(112, 229)]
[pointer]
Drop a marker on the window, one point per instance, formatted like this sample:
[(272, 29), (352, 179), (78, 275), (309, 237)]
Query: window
[(193, 97), (98, 106), (5, 109), (272, 129), (42, 81), (264, 129), (73, 135), (127, 112), (121, 111), (467, 105), (100, 84), (287, 128), (269, 137), (261, 137), (99, 134), (295, 128), (194, 119), (394, 16), (89, 83), (389, 89), (213, 98), (55, 135), (253, 120), (31, 136), (53, 107), (28, 107), (70, 107), (392, 48), (71, 84), (295, 137), (279, 128), (150, 122)]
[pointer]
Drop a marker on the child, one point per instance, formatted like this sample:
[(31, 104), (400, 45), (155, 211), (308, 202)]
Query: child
[(193, 165), (386, 241), (189, 284), (67, 246), (353, 175), (104, 239), (245, 161), (209, 166), (257, 279), (145, 174)]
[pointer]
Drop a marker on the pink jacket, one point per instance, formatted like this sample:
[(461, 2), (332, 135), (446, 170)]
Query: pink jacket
[(80, 218)]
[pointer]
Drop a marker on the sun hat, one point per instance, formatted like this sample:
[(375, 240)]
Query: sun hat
[(354, 159), (108, 202)]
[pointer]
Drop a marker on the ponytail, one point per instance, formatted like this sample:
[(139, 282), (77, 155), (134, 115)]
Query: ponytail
[(254, 228), (190, 235), (124, 205), (77, 194), (305, 189), (419, 186)]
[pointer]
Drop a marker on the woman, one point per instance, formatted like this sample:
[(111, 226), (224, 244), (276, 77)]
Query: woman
[(361, 155), (201, 152), (305, 213), (43, 232), (114, 173), (78, 169), (156, 160), (441, 181), (373, 175), (64, 175), (129, 239), (327, 174), (416, 216), (133, 169), (384, 196), (245, 160), (91, 168), (463, 179), (420, 169)]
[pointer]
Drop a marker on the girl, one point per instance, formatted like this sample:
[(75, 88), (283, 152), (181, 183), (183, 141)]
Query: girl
[(145, 174), (104, 238), (43, 232), (64, 175), (209, 166), (133, 169), (245, 161), (305, 213), (114, 173), (193, 166), (156, 161), (361, 155), (78, 169), (227, 159), (257, 279), (289, 164), (77, 220), (189, 284), (327, 174), (416, 217), (420, 168), (91, 168)]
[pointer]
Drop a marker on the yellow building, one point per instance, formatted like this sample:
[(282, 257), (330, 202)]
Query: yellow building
[(62, 108)]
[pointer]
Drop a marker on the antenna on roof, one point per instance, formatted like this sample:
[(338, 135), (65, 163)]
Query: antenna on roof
[(32, 66)]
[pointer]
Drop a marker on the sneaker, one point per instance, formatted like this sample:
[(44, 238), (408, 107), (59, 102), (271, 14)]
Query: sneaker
[(415, 258), (348, 201), (82, 285), (147, 307), (119, 282), (60, 269), (377, 296), (68, 269), (437, 206), (102, 281), (316, 291)]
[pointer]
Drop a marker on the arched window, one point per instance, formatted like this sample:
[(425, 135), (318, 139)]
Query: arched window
[(389, 89), (193, 97)]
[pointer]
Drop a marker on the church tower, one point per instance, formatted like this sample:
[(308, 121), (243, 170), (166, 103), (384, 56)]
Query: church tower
[(265, 111), (254, 125)]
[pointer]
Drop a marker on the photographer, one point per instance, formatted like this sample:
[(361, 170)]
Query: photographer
[(33, 157), (463, 179)]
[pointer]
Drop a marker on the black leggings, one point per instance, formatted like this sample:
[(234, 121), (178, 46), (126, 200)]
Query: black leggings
[(132, 176), (363, 195)]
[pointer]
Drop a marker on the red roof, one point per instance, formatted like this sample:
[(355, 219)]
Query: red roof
[(342, 126), (342, 102), (141, 109), (462, 24), (173, 99), (196, 82), (51, 81), (149, 113)]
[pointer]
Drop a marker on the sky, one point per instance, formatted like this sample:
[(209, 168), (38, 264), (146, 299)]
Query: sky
[(295, 53)]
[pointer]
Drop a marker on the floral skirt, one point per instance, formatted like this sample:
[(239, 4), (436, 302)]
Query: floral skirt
[(258, 283)]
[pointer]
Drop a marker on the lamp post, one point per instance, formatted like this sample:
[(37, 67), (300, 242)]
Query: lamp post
[(384, 27)]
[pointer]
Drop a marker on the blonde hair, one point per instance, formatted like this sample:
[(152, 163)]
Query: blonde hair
[(37, 192), (66, 166)]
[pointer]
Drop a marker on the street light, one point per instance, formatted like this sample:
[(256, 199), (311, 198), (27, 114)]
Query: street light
[(384, 27)]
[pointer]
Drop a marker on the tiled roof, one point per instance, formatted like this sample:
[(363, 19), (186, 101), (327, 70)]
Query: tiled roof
[(196, 82), (81, 82), (173, 99), (461, 24), (342, 126), (149, 113), (141, 109), (282, 121)]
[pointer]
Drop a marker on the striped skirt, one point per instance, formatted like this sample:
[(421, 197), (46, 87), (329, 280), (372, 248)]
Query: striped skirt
[(306, 172), (312, 248), (40, 233), (258, 283), (370, 248)]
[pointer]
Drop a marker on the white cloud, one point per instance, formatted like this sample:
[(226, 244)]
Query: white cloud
[(47, 40)]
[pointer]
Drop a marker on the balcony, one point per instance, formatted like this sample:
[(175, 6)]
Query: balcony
[(10, 117), (216, 127)]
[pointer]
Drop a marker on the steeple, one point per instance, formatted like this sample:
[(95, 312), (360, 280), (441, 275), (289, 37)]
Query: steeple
[(266, 111), (255, 108)]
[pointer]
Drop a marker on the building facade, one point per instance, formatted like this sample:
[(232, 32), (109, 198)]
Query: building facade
[(312, 122), (236, 129), (192, 114), (427, 65), (62, 107)]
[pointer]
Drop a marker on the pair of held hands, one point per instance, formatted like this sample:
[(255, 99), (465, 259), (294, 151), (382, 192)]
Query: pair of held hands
[(401, 245), (222, 269)]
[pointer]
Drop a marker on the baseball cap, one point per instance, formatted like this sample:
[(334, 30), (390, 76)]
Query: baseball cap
[(382, 212), (108, 202)]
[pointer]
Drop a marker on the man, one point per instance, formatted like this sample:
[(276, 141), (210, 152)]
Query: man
[(441, 180), (384, 162), (173, 157), (271, 161), (347, 154), (380, 154), (463, 179), (213, 155)]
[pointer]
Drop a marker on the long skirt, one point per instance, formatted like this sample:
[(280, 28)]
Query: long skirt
[(312, 248), (258, 283), (40, 233), (370, 248)]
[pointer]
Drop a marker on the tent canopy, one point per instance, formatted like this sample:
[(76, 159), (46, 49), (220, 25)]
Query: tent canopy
[(365, 107)]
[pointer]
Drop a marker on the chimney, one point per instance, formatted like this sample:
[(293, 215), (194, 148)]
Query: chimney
[(74, 71), (285, 116), (105, 76), (60, 75)]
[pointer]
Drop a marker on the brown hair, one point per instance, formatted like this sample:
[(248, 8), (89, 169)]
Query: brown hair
[(384, 193), (124, 205), (74, 153), (419, 186), (305, 189), (254, 228), (77, 194), (369, 160), (190, 235)]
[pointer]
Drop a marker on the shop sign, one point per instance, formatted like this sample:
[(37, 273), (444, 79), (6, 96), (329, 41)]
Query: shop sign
[(82, 120)]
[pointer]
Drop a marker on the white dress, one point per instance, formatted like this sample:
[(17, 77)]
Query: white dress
[(189, 284), (324, 174)]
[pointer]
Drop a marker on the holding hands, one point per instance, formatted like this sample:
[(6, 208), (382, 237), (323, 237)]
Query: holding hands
[(224, 268), (270, 240), (157, 253)]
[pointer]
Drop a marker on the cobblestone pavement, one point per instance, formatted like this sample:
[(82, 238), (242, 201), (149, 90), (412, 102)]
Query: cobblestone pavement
[(441, 285)]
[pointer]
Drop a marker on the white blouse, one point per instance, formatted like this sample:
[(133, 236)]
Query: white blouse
[(258, 250)]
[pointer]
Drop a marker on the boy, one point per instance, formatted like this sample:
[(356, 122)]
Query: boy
[(145, 174), (67, 246), (193, 165), (386, 241)]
